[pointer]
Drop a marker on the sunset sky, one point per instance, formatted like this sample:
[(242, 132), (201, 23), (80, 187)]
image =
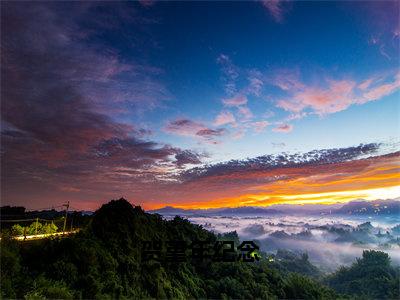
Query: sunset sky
[(199, 104)]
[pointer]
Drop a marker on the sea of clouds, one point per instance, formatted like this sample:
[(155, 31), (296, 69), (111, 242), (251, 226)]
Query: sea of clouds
[(330, 241)]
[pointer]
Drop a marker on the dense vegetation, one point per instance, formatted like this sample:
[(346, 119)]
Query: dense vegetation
[(370, 277), (17, 221), (104, 261), (34, 228)]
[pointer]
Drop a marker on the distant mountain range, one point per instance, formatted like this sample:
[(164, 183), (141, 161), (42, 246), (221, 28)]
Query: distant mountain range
[(244, 210), (377, 207), (359, 207), (170, 210)]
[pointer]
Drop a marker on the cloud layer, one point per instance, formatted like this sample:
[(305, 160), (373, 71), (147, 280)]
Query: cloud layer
[(190, 128), (334, 95), (319, 176), (60, 98), (81, 120)]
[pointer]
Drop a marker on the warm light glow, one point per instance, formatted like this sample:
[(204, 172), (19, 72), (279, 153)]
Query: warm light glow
[(368, 179)]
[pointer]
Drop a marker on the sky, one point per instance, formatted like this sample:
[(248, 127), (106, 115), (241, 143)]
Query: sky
[(199, 104)]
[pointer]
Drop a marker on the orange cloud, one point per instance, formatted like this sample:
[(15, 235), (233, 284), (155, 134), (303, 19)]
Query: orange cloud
[(370, 178)]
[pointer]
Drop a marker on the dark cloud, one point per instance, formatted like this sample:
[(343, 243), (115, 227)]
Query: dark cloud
[(187, 157), (284, 160), (182, 123), (187, 127), (61, 95), (210, 132)]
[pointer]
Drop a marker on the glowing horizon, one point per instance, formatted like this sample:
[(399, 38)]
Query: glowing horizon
[(180, 104), (379, 179)]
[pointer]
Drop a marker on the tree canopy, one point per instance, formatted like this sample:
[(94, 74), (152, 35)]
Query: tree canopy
[(104, 260)]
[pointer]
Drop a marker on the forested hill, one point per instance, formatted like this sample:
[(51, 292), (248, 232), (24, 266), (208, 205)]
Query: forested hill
[(105, 260)]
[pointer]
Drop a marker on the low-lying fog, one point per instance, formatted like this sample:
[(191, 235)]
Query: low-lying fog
[(330, 241)]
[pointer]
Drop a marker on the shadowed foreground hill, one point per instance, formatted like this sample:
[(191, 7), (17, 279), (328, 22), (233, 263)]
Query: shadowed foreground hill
[(370, 276), (104, 261)]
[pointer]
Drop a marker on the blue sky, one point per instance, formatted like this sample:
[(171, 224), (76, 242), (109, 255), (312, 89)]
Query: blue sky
[(317, 40), (137, 95)]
